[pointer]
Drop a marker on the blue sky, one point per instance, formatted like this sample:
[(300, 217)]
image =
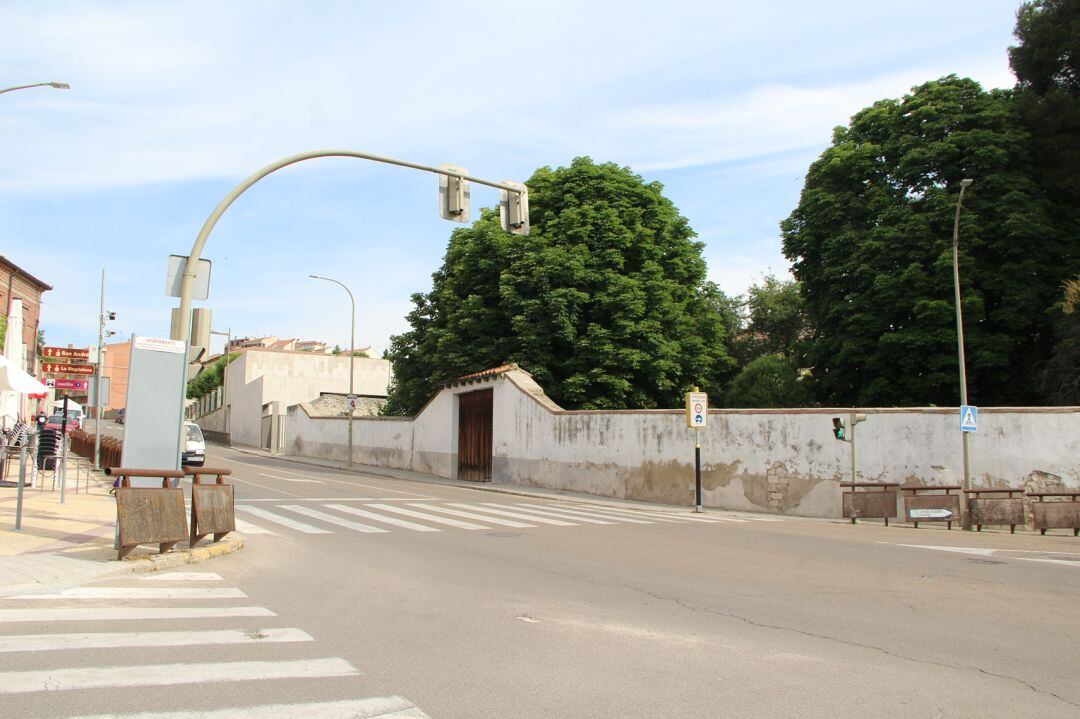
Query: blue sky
[(174, 103)]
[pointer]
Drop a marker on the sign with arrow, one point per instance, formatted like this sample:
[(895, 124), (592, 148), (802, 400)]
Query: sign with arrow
[(79, 385), (63, 368), (969, 418), (66, 353)]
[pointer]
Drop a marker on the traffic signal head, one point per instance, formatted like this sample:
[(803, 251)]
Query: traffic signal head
[(838, 428), (110, 315)]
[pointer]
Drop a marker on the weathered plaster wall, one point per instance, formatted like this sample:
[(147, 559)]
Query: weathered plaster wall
[(783, 461)]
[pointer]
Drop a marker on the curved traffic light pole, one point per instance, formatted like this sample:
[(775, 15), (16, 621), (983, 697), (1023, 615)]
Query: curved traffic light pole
[(183, 331)]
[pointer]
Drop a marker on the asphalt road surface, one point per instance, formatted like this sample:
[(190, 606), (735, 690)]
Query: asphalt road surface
[(362, 596)]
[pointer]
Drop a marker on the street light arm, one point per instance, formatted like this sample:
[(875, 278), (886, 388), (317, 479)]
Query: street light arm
[(187, 283), (57, 85)]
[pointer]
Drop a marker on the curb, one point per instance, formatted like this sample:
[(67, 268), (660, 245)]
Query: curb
[(171, 560)]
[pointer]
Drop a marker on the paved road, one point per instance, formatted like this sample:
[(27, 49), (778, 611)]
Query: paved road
[(361, 593)]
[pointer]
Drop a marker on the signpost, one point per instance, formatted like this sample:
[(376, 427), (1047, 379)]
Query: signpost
[(78, 385), (66, 353), (697, 416), (64, 368)]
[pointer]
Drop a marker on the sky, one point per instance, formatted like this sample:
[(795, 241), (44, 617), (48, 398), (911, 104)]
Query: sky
[(173, 104)]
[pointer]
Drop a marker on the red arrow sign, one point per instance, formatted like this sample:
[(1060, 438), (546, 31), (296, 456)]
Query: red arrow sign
[(57, 368), (66, 353)]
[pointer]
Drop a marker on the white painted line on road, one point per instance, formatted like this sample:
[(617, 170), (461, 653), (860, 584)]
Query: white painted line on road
[(577, 514), (169, 674), (380, 518), (340, 481), (558, 514), (106, 614), (111, 640), (290, 479), (960, 550), (474, 515), (138, 593), (342, 499), (515, 515), (1065, 562), (182, 577), (331, 519), (249, 528), (600, 511), (664, 515), (285, 521), (373, 708), (428, 517), (262, 485)]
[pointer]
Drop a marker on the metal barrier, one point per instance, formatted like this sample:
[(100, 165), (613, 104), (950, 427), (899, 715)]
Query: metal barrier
[(869, 505), (988, 510), (148, 515), (213, 509), (922, 505), (1056, 515)]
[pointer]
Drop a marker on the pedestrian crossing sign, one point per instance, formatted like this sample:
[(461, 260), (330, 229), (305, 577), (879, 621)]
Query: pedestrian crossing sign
[(969, 418)]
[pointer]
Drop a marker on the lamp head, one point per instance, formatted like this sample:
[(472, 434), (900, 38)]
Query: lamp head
[(59, 85), (966, 182)]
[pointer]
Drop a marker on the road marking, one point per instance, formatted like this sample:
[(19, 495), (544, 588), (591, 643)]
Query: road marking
[(380, 518), (249, 528), (615, 513), (168, 674), (331, 519), (291, 523), (373, 708), (961, 550), (667, 516), (516, 515), (138, 593), (103, 614), (109, 640), (558, 514), (262, 485), (428, 517), (182, 577), (474, 515), (578, 514), (1065, 562), (341, 499), (289, 479), (339, 481)]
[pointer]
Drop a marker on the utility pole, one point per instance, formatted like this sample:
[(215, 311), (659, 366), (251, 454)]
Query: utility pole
[(225, 373), (97, 381)]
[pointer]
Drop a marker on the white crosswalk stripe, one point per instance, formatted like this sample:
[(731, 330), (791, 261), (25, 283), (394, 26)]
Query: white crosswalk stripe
[(124, 614), (181, 577), (474, 515), (111, 640), (286, 521), (138, 593), (515, 515), (373, 708), (393, 521), (249, 528), (664, 516), (347, 523), (429, 517), (551, 512)]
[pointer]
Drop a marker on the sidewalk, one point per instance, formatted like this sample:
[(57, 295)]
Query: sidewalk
[(62, 544)]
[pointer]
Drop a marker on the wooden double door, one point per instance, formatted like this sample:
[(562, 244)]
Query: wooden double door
[(474, 435)]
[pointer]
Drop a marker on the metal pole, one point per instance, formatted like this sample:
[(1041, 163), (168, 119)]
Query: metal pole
[(352, 357), (225, 378), (97, 383), (964, 184), (22, 480), (697, 469), (63, 450), (851, 440)]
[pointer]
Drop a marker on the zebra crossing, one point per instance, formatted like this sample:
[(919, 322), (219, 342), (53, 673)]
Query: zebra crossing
[(380, 517), (67, 673)]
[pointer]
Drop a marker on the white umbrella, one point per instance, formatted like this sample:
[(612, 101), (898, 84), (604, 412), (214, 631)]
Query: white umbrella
[(13, 379)]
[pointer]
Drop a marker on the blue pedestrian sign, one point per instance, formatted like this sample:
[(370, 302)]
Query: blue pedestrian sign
[(969, 418)]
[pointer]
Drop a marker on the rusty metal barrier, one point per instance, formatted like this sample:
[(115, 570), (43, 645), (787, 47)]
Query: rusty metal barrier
[(922, 505), (1056, 515), (148, 515), (213, 508), (869, 505), (988, 510)]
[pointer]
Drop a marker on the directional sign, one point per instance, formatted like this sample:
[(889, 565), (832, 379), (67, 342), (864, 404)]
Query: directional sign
[(697, 409), (969, 418), (930, 513), (66, 353), (59, 368), (80, 385)]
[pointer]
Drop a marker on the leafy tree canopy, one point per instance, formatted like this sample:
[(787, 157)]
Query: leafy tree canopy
[(210, 378), (871, 243), (769, 381), (775, 321), (605, 302)]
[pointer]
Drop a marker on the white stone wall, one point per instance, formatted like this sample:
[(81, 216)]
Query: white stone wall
[(784, 461)]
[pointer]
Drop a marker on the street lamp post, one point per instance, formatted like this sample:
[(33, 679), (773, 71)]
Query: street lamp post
[(225, 373), (964, 184), (352, 359), (57, 85)]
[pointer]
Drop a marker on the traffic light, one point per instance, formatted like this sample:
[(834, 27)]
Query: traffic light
[(514, 208), (110, 315), (838, 428), (453, 195)]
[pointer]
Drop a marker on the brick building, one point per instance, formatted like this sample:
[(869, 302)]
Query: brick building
[(18, 284)]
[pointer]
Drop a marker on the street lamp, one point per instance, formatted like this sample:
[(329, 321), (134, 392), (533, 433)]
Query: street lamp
[(57, 85), (964, 184), (225, 373), (352, 358)]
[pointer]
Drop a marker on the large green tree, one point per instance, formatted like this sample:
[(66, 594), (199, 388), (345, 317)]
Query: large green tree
[(605, 302), (775, 321), (871, 243)]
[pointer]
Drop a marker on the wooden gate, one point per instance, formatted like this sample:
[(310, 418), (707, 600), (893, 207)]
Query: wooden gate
[(474, 436)]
